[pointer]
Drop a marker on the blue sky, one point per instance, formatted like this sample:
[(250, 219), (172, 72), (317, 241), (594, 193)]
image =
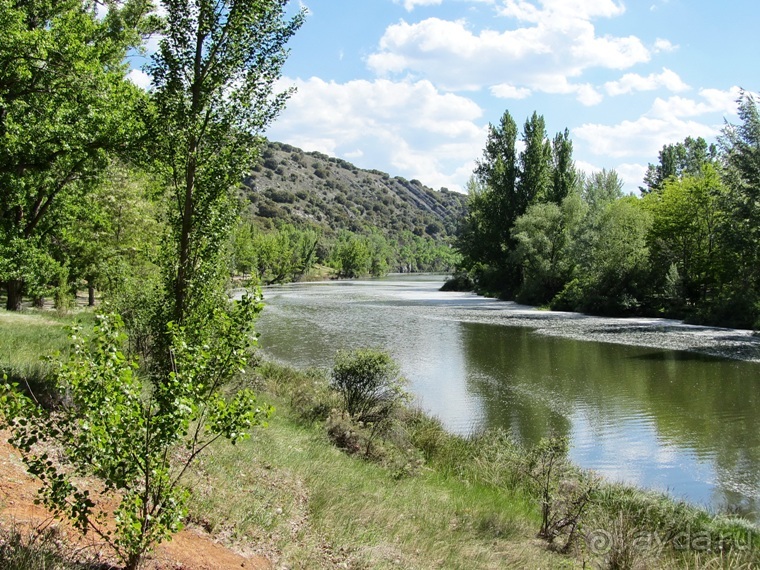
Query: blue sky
[(409, 86)]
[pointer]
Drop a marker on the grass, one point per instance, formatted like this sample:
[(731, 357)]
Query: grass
[(309, 505), (314, 506), (28, 338), (38, 549)]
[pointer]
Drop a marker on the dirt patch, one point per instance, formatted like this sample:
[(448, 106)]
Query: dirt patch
[(191, 549)]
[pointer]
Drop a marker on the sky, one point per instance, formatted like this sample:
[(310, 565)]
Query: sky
[(409, 86)]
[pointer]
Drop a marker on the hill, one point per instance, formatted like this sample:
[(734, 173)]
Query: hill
[(310, 189)]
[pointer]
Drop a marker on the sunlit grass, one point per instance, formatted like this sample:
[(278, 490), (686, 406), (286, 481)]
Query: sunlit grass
[(290, 488), (29, 339)]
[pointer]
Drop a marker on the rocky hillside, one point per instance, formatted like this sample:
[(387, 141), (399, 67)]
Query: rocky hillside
[(312, 189)]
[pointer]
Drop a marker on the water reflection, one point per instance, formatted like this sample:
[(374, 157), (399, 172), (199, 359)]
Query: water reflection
[(675, 421)]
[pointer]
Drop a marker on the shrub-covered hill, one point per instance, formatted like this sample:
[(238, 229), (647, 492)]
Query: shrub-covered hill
[(314, 190)]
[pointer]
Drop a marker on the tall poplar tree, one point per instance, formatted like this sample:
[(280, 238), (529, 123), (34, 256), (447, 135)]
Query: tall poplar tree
[(564, 175), (214, 92), (494, 202), (535, 164)]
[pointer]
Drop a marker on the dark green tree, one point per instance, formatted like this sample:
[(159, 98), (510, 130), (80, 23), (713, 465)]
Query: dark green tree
[(535, 165), (564, 174), (494, 203), (676, 160), (741, 234)]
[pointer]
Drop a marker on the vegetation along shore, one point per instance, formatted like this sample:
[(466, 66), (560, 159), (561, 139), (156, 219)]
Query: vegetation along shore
[(348, 475)]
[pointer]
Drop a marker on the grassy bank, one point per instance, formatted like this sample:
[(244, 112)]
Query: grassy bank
[(318, 490), (423, 498)]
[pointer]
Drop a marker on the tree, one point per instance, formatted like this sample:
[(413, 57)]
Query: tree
[(535, 182), (676, 160), (351, 255), (112, 240), (214, 93), (65, 107), (612, 260), (564, 175), (545, 234), (494, 203), (741, 233), (109, 428), (601, 188), (684, 236)]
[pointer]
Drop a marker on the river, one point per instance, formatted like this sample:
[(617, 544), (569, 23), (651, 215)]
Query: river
[(650, 402)]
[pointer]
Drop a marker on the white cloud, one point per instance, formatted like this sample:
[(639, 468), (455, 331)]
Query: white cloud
[(713, 101), (358, 153), (631, 82), (643, 136), (632, 174), (661, 44), (408, 128), (507, 91), (668, 121), (412, 4), (583, 9), (559, 85), (139, 78), (555, 38)]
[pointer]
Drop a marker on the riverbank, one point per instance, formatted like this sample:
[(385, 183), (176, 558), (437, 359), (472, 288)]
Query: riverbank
[(423, 498)]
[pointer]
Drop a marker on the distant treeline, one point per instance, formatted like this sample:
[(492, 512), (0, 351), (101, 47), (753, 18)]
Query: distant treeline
[(287, 253), (543, 233)]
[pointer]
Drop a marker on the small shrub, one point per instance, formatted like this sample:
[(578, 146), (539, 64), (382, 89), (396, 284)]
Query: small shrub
[(564, 497), (369, 383), (355, 437)]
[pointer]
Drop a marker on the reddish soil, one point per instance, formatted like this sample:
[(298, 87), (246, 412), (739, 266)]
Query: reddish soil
[(191, 549)]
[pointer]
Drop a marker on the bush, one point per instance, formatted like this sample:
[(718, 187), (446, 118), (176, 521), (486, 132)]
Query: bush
[(369, 383)]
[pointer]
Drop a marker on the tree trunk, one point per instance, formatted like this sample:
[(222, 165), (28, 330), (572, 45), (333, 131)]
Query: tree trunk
[(14, 288), (90, 294)]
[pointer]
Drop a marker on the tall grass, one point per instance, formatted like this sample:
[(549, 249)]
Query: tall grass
[(423, 499)]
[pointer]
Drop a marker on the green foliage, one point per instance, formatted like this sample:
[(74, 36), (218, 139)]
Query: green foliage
[(369, 383), (506, 185), (109, 427), (685, 235), (66, 108), (601, 188), (613, 260), (214, 93), (678, 160), (279, 255), (536, 164), (544, 236)]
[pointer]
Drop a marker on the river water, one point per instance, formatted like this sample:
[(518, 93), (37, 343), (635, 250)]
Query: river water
[(677, 419)]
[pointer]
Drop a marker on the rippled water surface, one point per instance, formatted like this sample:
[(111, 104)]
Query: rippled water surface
[(683, 421)]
